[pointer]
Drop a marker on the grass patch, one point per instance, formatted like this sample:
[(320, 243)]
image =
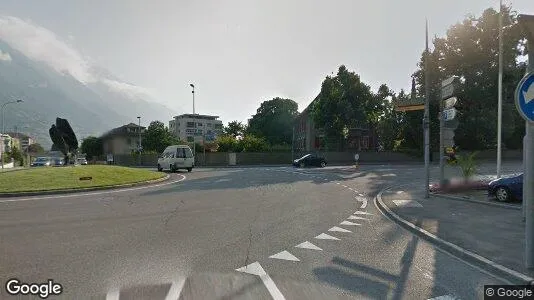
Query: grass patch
[(60, 178)]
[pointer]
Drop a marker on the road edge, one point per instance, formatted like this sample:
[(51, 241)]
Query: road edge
[(82, 190), (452, 249), (501, 205)]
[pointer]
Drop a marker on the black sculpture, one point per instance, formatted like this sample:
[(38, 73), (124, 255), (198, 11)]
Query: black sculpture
[(64, 138)]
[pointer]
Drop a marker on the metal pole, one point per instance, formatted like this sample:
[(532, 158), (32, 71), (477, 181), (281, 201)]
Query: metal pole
[(441, 144), (2, 137), (139, 148), (293, 145), (426, 118), (499, 105), (195, 121), (528, 176)]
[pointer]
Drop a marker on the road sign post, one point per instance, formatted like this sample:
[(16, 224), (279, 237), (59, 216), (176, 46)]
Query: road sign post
[(449, 88), (524, 100)]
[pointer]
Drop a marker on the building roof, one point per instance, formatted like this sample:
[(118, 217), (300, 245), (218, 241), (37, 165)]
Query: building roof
[(197, 116), (123, 130), (18, 135)]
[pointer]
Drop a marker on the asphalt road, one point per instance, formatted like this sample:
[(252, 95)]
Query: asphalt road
[(184, 239)]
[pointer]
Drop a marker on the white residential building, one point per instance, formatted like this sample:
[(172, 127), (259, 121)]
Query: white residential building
[(190, 127)]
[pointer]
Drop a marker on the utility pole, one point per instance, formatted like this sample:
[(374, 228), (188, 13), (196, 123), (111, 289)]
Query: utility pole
[(195, 121), (499, 105), (426, 118), (139, 147), (293, 145)]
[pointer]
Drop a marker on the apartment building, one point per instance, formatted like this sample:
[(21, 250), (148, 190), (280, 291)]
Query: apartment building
[(122, 140), (194, 127), (24, 140)]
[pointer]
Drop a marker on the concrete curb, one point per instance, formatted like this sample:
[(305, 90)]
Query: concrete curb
[(455, 250), (501, 205), (90, 189)]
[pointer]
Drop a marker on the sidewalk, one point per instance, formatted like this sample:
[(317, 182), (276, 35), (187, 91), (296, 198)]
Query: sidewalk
[(495, 233)]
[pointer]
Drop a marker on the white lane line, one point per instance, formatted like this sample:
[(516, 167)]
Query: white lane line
[(308, 245), (361, 195), (113, 294), (222, 180), (363, 213), (349, 223), (94, 193), (175, 290), (445, 297), (325, 179), (407, 203), (363, 201), (338, 183), (338, 229), (357, 218), (256, 269), (344, 186), (324, 236), (285, 255)]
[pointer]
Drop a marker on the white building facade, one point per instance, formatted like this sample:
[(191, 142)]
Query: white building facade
[(194, 127)]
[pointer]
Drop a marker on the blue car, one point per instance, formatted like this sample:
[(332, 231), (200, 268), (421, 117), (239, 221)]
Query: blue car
[(507, 188)]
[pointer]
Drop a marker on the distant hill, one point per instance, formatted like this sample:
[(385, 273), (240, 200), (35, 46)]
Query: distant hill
[(91, 108)]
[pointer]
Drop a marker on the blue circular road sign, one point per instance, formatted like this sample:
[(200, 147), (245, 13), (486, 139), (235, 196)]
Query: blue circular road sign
[(524, 97)]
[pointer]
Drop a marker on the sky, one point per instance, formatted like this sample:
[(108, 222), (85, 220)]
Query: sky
[(237, 53)]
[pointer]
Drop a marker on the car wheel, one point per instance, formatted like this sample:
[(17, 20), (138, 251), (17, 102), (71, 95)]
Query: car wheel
[(302, 165), (502, 194), (160, 168), (189, 169), (323, 164)]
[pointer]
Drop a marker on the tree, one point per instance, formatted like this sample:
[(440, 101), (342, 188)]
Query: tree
[(235, 129), (344, 102), (470, 51), (226, 143), (274, 121), (92, 146), (35, 148), (157, 137), (250, 143), (391, 123)]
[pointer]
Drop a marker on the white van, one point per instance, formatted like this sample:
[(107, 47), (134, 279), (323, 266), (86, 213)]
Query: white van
[(176, 157)]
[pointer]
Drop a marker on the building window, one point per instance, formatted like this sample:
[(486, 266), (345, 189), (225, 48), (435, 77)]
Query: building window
[(190, 124), (218, 126), (199, 124), (190, 131), (209, 125)]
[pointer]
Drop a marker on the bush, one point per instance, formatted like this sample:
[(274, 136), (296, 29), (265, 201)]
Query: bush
[(467, 164)]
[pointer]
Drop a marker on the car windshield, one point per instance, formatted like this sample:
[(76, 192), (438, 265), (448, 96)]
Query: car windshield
[(305, 156), (42, 159)]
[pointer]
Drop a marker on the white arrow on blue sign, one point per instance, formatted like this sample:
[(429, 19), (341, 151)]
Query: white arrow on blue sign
[(524, 97)]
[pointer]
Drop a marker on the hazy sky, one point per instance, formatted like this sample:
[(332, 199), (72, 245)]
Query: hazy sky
[(239, 53)]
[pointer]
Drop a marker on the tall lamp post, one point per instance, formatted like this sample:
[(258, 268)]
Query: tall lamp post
[(499, 98), (194, 134), (2, 145), (139, 147)]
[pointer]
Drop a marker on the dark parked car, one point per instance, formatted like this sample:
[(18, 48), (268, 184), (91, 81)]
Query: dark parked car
[(82, 161), (42, 162), (507, 188), (310, 160), (56, 161)]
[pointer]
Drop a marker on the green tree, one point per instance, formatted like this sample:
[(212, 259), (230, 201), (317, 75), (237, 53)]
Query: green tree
[(469, 50), (274, 121), (390, 127), (235, 129), (35, 148), (226, 143), (250, 143), (92, 147), (157, 137), (344, 102)]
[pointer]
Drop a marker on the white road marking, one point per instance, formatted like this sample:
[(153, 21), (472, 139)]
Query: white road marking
[(445, 297), (256, 269), (407, 203), (361, 195), (308, 245), (338, 229), (338, 183), (399, 192), (175, 290), (349, 223), (324, 236), (325, 179), (357, 218), (93, 193), (222, 180), (285, 255), (363, 201), (345, 186), (113, 294), (351, 189), (362, 213)]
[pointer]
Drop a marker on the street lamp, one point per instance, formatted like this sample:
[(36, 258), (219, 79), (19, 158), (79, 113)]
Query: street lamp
[(139, 146), (195, 121), (2, 145)]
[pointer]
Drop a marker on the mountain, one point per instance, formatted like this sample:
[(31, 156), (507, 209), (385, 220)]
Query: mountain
[(92, 107)]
